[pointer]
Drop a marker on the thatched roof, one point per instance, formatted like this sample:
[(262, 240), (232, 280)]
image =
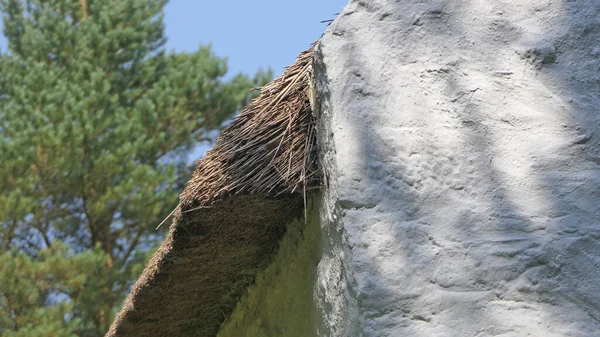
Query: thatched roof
[(268, 149), (231, 215)]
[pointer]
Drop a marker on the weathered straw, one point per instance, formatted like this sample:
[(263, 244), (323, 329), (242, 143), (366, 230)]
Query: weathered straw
[(231, 215), (268, 150)]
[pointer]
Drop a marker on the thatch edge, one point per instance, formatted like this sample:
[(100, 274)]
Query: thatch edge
[(206, 196)]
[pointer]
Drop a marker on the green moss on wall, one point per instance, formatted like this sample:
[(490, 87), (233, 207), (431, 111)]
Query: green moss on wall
[(281, 301)]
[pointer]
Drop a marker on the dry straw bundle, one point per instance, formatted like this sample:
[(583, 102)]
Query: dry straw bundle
[(259, 170), (268, 150)]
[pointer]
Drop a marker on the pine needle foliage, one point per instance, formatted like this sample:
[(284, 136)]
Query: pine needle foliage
[(96, 122)]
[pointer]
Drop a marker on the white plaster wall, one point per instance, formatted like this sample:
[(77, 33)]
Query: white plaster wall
[(461, 141)]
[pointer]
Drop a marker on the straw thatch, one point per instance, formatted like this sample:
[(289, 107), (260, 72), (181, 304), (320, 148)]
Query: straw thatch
[(268, 149), (231, 215)]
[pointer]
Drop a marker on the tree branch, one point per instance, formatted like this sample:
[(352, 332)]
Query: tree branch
[(133, 245), (84, 11), (9, 235), (40, 227)]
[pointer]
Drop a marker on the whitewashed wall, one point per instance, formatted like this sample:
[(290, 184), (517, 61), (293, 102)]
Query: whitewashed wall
[(461, 141)]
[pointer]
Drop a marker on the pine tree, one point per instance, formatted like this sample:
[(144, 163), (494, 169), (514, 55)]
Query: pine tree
[(96, 121)]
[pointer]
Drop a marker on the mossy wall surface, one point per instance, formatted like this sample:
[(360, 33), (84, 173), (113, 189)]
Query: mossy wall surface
[(281, 301)]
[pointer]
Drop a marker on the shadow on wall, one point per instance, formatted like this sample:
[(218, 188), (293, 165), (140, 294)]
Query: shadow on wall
[(468, 167)]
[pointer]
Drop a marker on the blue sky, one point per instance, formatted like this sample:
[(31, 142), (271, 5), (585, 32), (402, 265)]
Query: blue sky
[(251, 34)]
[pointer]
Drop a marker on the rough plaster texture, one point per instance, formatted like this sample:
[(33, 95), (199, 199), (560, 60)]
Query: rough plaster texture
[(461, 143)]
